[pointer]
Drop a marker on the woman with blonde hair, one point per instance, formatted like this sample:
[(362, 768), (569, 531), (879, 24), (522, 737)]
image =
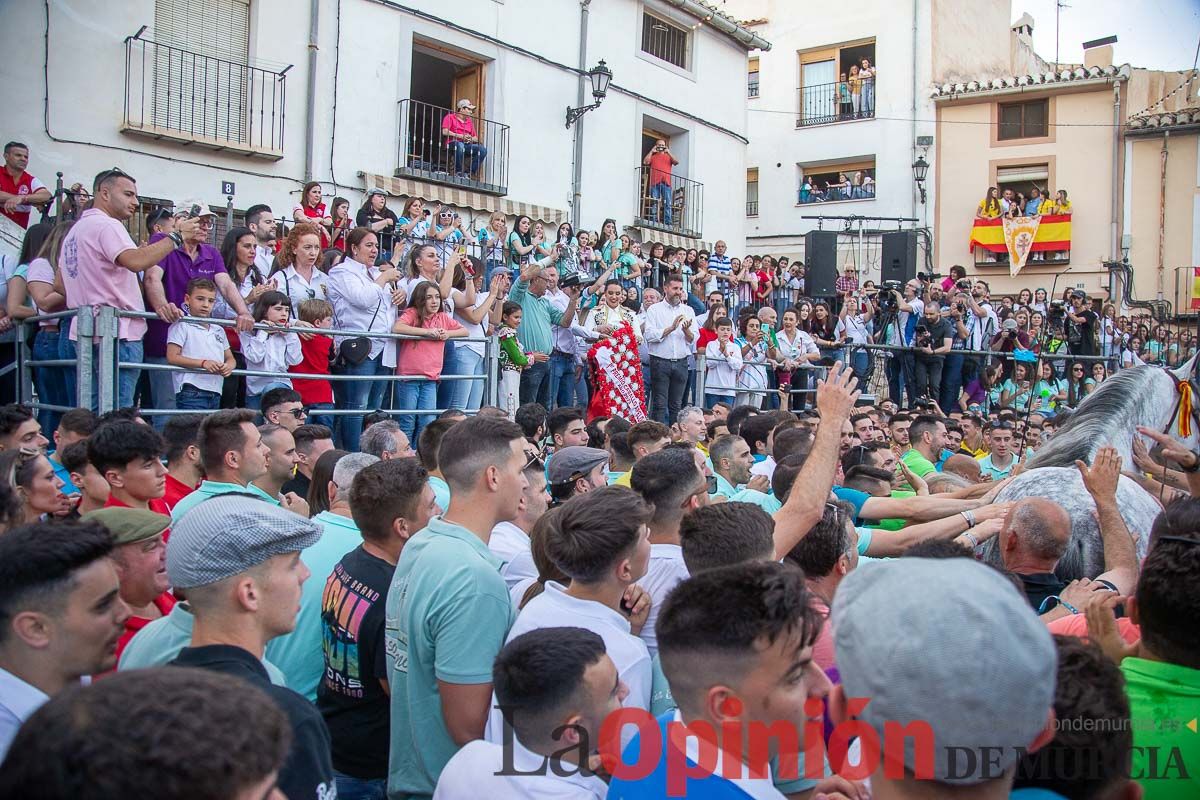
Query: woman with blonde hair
[(491, 244)]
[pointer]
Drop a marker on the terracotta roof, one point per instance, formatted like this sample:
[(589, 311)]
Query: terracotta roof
[(1166, 120), (1063, 77)]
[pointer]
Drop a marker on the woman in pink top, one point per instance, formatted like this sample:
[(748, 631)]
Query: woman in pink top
[(422, 358), (311, 209)]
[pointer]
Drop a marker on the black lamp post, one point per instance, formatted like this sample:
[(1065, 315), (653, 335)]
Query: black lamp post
[(920, 169), (600, 76)]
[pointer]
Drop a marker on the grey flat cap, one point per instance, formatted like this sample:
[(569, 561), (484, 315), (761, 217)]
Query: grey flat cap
[(572, 463), (948, 643), (227, 535)]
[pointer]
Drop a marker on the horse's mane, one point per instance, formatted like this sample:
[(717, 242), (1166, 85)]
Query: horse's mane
[(1112, 407)]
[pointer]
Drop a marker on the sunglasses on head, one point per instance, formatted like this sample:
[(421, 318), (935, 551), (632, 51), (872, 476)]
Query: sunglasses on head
[(1003, 425), (24, 456)]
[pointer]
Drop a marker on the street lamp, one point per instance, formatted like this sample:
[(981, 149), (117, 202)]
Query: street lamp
[(920, 169), (600, 76)]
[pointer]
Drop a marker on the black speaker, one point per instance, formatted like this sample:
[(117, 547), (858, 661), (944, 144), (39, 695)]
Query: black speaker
[(820, 259), (899, 256)]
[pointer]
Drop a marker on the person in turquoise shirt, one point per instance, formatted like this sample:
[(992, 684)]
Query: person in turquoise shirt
[(427, 445), (448, 609), (158, 643), (537, 312), (234, 456), (299, 653)]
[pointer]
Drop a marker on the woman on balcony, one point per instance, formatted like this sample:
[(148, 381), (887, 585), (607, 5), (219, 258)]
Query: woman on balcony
[(867, 74), (844, 102), (411, 228), (989, 206), (1061, 204), (610, 243), (491, 244), (855, 81), (310, 208), (382, 221)]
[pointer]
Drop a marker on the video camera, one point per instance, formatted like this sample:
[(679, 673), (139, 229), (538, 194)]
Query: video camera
[(928, 277), (889, 295), (922, 337), (1056, 314)]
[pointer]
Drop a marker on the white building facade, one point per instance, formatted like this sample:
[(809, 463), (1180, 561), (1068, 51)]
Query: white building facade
[(188, 94)]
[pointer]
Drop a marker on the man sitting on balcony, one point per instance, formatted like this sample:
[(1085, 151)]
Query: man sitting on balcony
[(458, 128), (660, 161)]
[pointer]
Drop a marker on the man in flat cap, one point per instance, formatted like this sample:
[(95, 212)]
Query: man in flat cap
[(576, 470), (238, 560), (140, 556)]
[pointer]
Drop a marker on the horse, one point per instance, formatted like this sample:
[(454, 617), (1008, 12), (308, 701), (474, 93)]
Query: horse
[(1150, 396)]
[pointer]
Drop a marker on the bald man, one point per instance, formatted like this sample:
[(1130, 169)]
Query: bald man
[(963, 466)]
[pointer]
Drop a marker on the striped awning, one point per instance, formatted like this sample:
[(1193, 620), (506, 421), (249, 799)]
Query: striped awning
[(462, 198), (649, 234)]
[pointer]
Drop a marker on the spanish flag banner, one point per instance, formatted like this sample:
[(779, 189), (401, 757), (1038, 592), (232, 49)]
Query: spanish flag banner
[(1195, 288), (1052, 234)]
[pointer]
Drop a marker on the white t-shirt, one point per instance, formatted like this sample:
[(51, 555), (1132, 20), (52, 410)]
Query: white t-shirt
[(482, 769), (665, 571), (721, 371), (854, 327), (207, 342), (511, 544), (554, 608), (474, 330), (918, 308)]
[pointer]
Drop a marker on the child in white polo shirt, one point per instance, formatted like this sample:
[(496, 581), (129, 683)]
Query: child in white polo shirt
[(199, 346)]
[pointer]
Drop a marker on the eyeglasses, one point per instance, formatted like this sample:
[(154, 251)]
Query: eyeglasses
[(115, 172), (298, 413)]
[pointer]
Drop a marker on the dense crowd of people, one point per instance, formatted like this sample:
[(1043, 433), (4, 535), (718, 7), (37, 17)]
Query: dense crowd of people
[(743, 591)]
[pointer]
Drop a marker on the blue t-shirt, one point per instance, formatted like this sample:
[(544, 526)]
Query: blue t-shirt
[(852, 496)]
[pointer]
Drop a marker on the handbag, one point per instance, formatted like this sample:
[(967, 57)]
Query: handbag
[(354, 349)]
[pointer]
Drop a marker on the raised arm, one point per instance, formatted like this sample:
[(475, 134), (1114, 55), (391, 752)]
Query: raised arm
[(836, 396), (1120, 557)]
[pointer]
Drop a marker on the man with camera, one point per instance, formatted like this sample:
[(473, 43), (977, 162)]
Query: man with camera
[(1081, 326), (981, 324), (900, 332), (931, 341), (660, 161)]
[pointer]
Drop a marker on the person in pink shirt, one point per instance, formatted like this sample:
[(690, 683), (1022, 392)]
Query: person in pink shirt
[(458, 130), (98, 266), (423, 357)]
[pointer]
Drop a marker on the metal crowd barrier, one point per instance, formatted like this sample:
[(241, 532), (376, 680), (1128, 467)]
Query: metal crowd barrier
[(102, 330)]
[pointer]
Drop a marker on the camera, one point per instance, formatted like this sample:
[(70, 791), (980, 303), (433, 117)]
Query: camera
[(961, 306), (1056, 313), (574, 279), (928, 277), (889, 295), (963, 283), (922, 337)]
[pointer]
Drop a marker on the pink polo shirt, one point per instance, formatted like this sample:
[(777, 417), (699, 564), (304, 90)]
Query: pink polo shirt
[(423, 356), (452, 123), (91, 275)]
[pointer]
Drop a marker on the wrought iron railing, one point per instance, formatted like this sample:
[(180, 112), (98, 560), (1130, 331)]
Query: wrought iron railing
[(173, 93), (1047, 258), (669, 203), (823, 103), (751, 208), (425, 152)]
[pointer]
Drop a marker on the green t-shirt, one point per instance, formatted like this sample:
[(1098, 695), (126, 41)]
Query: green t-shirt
[(448, 614), (210, 489), (919, 464), (1164, 700)]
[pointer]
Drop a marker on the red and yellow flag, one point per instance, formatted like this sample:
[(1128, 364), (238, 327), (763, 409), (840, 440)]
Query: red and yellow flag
[(1195, 288)]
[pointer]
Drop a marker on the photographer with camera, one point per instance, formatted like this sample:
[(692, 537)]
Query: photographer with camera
[(899, 314), (954, 312), (1081, 324), (660, 161), (981, 324), (932, 340)]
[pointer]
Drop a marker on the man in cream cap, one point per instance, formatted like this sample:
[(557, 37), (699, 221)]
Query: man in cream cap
[(238, 560), (952, 663)]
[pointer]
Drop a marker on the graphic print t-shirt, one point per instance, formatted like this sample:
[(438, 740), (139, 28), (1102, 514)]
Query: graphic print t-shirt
[(350, 697)]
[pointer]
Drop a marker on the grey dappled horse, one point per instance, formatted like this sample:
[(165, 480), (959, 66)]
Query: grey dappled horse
[(1142, 395)]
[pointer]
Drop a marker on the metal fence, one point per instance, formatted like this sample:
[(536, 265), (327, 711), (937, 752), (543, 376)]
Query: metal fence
[(675, 205), (424, 152), (175, 93), (823, 103)]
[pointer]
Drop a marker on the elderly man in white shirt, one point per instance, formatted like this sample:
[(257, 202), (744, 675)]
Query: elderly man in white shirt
[(670, 334)]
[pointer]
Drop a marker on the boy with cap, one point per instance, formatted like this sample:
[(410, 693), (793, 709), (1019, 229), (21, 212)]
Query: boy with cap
[(140, 556), (239, 562), (448, 609), (576, 470), (947, 650)]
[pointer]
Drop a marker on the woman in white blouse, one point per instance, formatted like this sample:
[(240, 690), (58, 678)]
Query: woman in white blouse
[(795, 349), (854, 327), (364, 298), (296, 273), (474, 310)]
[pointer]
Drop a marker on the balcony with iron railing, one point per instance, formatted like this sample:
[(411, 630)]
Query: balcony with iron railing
[(670, 203), (183, 96), (476, 159), (825, 103)]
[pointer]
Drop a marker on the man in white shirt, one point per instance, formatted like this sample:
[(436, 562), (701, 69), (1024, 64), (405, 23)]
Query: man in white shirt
[(566, 343), (670, 330), (982, 325), (602, 544), (510, 540), (901, 368), (556, 686), (260, 220), (62, 615), (670, 481)]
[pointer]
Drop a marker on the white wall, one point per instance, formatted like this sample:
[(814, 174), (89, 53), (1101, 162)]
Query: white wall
[(86, 75), (777, 145)]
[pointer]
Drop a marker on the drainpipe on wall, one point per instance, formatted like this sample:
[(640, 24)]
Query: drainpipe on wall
[(1114, 251), (915, 11), (577, 157), (1162, 212), (310, 111)]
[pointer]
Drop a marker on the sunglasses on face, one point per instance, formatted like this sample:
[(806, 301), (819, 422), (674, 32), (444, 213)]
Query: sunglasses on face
[(298, 413)]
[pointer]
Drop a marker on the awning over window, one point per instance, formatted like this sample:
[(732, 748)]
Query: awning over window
[(1032, 172), (648, 234), (462, 198)]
